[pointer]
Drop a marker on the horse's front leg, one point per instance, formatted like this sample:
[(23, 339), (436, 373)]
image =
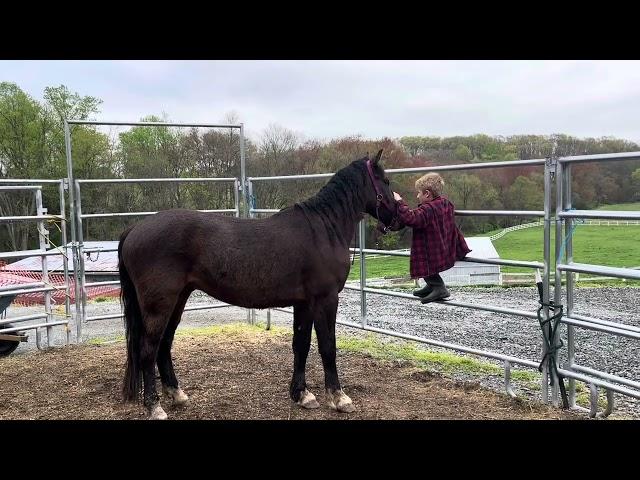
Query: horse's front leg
[(302, 324), (325, 325)]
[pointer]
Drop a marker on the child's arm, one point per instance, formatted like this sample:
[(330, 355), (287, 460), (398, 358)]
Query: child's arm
[(416, 218)]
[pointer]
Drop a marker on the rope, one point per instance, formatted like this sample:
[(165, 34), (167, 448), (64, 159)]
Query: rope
[(48, 284), (577, 221), (552, 343)]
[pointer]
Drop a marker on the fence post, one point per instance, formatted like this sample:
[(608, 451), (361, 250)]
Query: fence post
[(72, 215), (363, 274), (548, 166)]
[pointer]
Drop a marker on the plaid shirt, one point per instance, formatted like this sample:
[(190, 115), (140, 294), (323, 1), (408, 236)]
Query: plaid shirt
[(436, 242)]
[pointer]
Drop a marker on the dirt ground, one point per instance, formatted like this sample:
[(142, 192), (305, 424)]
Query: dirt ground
[(243, 375)]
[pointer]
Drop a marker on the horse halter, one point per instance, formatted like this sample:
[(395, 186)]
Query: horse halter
[(380, 200)]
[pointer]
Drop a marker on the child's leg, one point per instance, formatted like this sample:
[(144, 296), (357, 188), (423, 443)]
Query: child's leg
[(438, 292)]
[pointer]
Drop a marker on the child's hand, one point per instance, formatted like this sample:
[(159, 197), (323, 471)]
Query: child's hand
[(397, 197)]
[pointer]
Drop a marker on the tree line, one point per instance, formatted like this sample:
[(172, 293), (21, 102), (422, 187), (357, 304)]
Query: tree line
[(32, 146)]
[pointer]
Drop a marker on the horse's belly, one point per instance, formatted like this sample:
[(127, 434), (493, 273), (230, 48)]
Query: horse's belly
[(255, 293)]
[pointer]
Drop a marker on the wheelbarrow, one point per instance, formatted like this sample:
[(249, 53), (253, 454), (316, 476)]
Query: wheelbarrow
[(9, 341)]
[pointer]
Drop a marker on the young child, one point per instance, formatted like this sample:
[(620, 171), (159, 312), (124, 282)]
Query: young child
[(437, 242)]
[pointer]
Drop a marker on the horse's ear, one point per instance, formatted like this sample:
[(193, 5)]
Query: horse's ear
[(368, 156), (378, 156)]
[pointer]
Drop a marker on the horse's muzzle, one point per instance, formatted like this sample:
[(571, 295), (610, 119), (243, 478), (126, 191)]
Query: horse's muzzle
[(382, 228), (394, 226)]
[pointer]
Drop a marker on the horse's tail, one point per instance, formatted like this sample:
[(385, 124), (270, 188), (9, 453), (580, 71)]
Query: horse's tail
[(133, 327)]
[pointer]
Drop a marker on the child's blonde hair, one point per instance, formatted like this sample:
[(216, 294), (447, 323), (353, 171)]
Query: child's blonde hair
[(432, 182)]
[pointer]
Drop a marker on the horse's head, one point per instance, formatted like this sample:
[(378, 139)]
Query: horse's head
[(380, 203)]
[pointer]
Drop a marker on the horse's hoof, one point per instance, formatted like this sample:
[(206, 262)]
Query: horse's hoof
[(308, 400), (346, 407), (341, 402), (157, 413), (180, 398), (177, 395)]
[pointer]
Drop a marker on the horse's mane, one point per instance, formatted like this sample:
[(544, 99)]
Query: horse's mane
[(345, 189)]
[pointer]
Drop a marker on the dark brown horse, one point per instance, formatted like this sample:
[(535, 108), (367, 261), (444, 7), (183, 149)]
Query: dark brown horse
[(299, 257)]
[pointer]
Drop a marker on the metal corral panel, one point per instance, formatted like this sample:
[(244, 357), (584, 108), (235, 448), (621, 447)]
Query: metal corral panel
[(94, 262)]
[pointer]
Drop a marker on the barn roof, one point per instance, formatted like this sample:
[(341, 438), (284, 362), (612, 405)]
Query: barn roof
[(481, 247), (94, 261)]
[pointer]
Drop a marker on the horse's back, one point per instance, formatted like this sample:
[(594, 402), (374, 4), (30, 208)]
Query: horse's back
[(246, 262)]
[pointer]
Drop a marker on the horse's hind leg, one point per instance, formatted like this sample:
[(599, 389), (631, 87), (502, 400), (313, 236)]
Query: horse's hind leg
[(325, 325), (170, 386), (154, 326), (302, 325), (156, 316)]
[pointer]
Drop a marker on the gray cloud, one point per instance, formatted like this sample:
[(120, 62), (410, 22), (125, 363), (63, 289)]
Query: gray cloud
[(325, 99)]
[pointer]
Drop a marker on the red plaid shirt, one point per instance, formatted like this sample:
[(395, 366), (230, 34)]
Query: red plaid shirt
[(436, 242)]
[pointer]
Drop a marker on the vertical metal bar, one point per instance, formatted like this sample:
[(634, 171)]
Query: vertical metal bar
[(243, 171), (243, 187), (610, 404), (72, 215), (81, 275), (38, 340), (557, 297), (507, 379), (65, 258), (571, 349), (248, 200), (42, 241), (236, 197), (545, 276), (593, 398), (558, 236), (268, 319), (363, 273)]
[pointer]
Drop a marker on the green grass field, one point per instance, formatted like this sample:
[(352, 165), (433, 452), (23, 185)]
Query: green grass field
[(621, 206), (615, 246)]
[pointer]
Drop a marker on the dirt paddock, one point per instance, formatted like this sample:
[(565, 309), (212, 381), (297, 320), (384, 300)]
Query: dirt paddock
[(243, 374)]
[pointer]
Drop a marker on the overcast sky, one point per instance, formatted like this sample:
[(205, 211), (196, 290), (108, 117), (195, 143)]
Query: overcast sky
[(328, 99)]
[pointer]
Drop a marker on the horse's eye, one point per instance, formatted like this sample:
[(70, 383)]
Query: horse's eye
[(386, 180)]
